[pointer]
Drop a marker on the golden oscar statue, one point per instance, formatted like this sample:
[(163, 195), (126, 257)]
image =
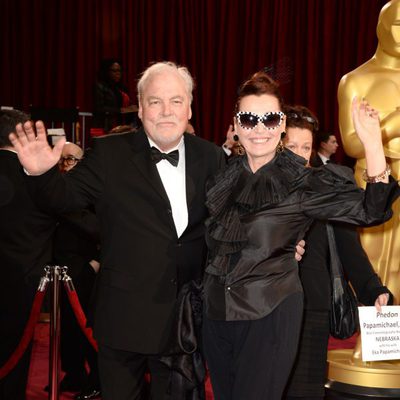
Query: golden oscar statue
[(378, 81)]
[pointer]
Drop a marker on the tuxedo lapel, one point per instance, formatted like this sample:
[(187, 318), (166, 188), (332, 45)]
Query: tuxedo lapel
[(316, 161), (193, 168), (142, 160)]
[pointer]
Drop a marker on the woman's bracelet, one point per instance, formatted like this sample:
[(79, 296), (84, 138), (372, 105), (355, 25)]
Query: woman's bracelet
[(377, 178)]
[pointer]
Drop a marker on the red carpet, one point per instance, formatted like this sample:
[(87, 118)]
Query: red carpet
[(38, 375)]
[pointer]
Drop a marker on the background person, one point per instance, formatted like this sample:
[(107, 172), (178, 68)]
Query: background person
[(326, 148), (112, 102), (232, 146), (308, 376), (26, 248), (70, 156), (76, 245)]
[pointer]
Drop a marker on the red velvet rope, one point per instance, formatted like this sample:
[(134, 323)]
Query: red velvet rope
[(33, 318), (26, 337), (80, 315)]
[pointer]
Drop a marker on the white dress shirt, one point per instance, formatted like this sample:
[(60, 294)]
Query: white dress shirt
[(174, 182)]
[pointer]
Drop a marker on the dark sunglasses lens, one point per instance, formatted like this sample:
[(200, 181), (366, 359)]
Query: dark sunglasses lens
[(248, 120), (271, 120)]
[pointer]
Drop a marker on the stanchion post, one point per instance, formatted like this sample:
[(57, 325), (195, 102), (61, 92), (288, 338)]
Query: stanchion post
[(54, 357)]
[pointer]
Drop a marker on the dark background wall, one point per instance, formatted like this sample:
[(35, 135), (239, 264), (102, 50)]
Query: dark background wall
[(50, 49)]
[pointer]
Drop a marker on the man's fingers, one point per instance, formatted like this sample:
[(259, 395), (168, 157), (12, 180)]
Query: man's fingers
[(59, 146), (41, 131), (14, 141), (20, 135), (25, 133), (29, 131)]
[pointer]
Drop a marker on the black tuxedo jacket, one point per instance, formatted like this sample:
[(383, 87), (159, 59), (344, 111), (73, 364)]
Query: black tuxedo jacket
[(25, 231), (316, 160), (25, 248), (143, 263)]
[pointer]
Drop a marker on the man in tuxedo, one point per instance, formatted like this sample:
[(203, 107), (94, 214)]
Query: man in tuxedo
[(327, 145), (148, 189), (25, 248)]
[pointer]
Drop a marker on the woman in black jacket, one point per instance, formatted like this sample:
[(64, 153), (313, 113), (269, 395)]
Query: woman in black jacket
[(260, 206), (308, 376)]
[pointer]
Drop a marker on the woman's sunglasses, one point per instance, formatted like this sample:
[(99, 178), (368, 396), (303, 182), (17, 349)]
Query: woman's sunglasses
[(248, 120)]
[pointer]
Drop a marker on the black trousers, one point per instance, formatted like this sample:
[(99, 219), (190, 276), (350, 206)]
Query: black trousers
[(13, 386), (122, 375), (15, 305), (75, 349), (308, 376), (252, 360)]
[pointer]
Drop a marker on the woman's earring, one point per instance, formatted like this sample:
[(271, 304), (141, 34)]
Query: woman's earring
[(280, 146), (239, 149)]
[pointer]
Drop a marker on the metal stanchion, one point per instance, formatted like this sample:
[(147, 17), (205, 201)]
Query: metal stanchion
[(56, 273)]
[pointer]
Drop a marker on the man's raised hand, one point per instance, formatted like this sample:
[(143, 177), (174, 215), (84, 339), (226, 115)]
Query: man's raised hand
[(34, 152)]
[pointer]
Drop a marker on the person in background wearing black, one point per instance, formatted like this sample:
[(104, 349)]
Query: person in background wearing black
[(232, 145), (25, 249), (326, 148), (112, 103), (76, 245), (308, 376)]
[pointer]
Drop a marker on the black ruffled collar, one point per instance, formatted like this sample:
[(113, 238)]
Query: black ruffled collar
[(237, 191)]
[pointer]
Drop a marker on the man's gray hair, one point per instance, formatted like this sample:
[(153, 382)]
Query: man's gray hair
[(160, 67)]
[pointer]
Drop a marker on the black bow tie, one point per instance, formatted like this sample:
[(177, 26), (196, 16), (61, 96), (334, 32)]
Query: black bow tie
[(172, 157)]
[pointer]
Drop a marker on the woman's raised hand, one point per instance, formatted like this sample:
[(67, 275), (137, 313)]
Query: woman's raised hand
[(368, 129), (366, 122)]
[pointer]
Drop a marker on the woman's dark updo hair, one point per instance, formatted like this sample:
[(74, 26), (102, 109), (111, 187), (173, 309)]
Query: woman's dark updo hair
[(260, 83)]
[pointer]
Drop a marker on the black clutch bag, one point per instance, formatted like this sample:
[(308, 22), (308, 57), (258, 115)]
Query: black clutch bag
[(344, 306)]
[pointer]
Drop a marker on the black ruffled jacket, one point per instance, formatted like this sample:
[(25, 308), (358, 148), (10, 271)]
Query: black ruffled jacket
[(256, 220)]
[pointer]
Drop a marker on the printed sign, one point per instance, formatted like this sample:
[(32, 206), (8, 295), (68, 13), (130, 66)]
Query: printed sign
[(380, 333)]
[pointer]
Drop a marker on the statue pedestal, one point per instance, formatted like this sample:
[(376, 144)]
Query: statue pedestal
[(361, 380)]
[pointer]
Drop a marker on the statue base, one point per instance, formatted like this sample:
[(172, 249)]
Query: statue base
[(354, 379)]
